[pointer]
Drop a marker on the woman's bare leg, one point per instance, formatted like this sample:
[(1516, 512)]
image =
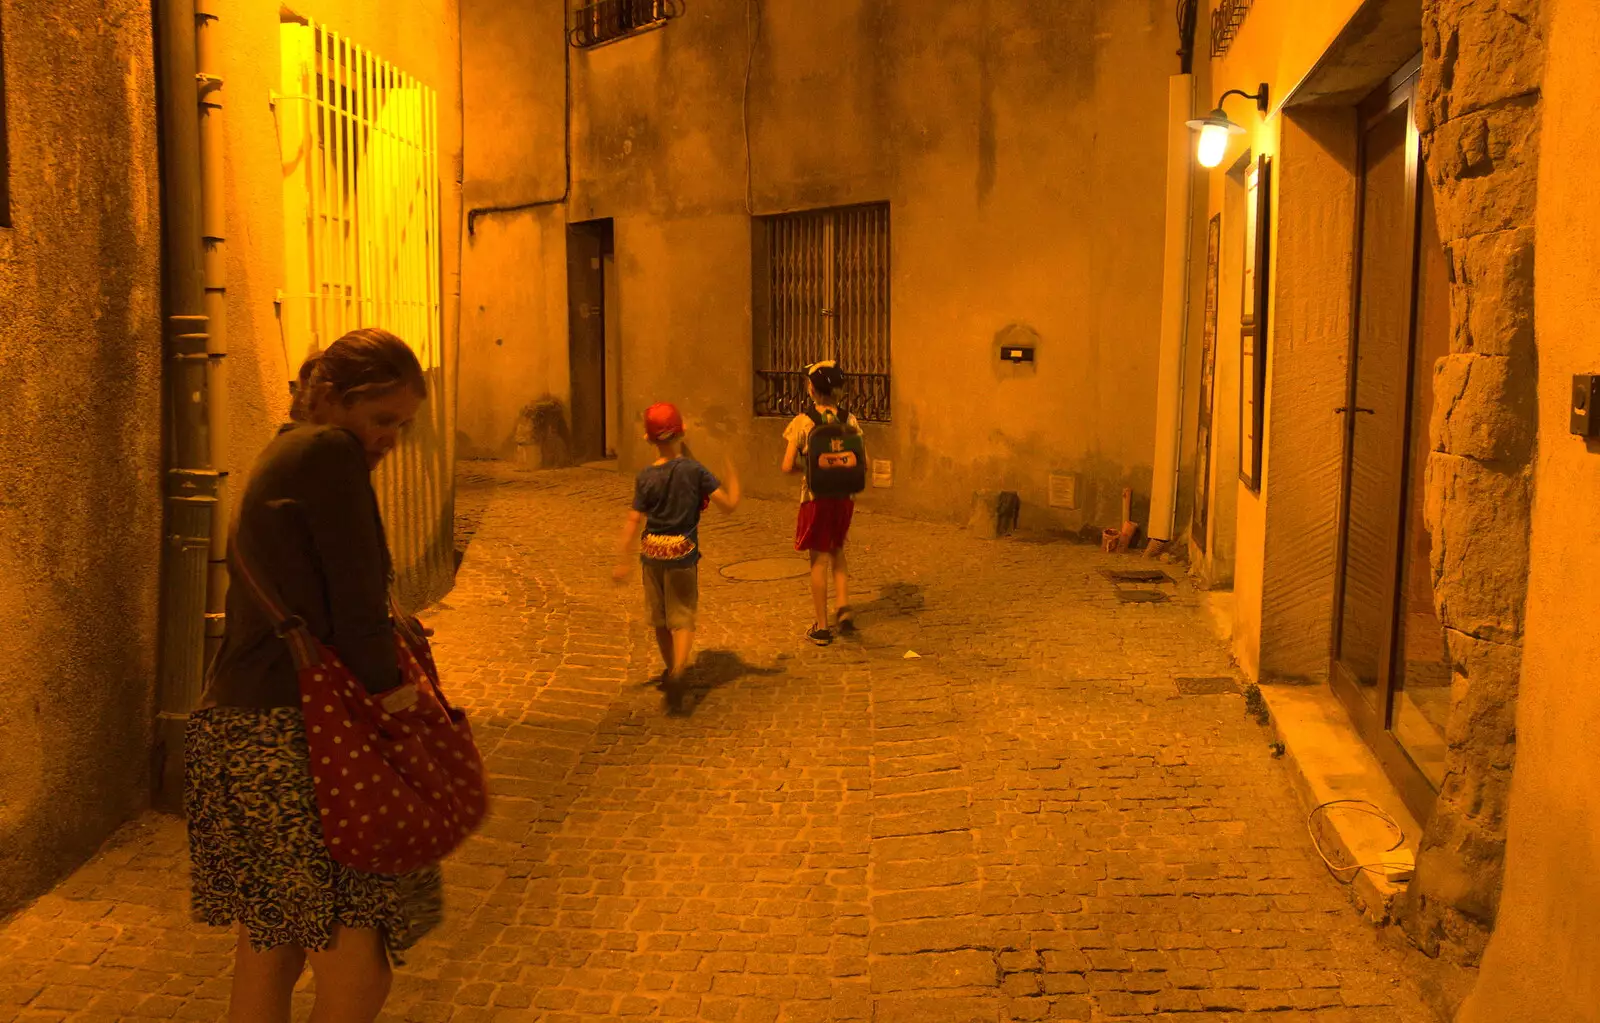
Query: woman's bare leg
[(263, 982), (352, 977)]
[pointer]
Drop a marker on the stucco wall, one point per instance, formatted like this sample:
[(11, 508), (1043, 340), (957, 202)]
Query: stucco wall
[(1540, 963), (1023, 162), (514, 280), (1277, 595), (419, 36), (80, 441), (1316, 206)]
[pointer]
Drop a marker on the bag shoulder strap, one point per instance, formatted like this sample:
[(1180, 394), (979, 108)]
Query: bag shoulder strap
[(289, 627)]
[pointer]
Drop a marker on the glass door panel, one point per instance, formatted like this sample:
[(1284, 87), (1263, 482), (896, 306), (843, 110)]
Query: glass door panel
[(1376, 411), (1420, 694), (1389, 659)]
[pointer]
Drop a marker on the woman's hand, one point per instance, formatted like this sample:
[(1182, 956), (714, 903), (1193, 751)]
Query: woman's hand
[(619, 575)]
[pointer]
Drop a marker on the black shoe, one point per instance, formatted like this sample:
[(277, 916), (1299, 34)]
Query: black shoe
[(820, 635), (675, 690), (845, 619)]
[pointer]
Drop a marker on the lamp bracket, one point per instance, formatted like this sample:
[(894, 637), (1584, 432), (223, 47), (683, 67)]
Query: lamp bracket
[(1260, 96)]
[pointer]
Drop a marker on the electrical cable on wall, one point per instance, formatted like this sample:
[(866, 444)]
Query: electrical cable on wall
[(752, 19), (566, 191), (1188, 17)]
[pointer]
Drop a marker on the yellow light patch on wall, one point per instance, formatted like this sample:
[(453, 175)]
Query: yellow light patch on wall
[(359, 141)]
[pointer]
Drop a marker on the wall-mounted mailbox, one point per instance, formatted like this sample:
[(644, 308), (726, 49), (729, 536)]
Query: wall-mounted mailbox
[(1017, 345), (1586, 405)]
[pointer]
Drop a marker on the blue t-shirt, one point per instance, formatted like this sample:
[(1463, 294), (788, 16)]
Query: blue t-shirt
[(671, 496)]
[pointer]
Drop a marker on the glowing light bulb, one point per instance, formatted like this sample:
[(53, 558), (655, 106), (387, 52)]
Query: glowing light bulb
[(1213, 145)]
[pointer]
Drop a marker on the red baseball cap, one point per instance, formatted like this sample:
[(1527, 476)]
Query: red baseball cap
[(662, 422)]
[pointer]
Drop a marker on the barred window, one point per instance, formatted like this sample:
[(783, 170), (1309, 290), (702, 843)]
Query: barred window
[(603, 21), (362, 239), (822, 292)]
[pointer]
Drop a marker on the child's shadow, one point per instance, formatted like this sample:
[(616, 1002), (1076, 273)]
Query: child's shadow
[(711, 670), (896, 600)]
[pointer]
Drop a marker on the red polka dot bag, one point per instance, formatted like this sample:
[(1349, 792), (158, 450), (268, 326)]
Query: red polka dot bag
[(399, 780)]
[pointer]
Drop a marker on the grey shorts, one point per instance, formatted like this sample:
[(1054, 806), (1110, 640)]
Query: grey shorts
[(671, 595)]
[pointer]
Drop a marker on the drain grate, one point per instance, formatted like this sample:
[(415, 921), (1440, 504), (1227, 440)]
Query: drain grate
[(762, 570), (1141, 596), (1212, 686), (1136, 575)]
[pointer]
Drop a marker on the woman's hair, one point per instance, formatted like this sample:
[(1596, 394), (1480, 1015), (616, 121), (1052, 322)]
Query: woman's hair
[(366, 363), (826, 377)]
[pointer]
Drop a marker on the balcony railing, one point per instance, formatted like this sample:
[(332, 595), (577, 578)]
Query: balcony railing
[(606, 21), (866, 395)]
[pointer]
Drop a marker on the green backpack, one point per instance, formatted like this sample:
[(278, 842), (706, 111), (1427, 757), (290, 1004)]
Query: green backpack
[(836, 455)]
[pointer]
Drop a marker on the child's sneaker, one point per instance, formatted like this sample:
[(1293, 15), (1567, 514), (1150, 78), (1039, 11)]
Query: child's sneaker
[(845, 620), (821, 635), (675, 690)]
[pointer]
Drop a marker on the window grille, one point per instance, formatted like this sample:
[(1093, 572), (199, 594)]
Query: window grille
[(604, 21), (362, 248), (822, 292), (1226, 21)]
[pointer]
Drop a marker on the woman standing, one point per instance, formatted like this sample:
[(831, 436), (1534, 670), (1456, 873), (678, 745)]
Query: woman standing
[(309, 528)]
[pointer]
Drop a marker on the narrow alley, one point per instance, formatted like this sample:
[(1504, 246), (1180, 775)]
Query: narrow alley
[(1028, 820)]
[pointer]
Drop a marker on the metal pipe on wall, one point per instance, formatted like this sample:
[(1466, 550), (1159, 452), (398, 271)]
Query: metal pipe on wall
[(1174, 304), (191, 482), (472, 215), (214, 272)]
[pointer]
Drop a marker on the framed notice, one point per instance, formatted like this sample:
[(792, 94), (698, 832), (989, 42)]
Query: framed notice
[(1200, 520), (1253, 322)]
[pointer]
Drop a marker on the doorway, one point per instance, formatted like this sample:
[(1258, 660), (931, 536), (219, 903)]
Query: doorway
[(594, 348), (1389, 664)]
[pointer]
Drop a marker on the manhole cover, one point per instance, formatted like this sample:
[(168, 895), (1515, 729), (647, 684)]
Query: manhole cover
[(1141, 596), (1206, 686), (766, 570), (1136, 575)]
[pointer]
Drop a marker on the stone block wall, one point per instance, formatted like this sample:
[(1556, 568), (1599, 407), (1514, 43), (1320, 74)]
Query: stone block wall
[(1480, 119)]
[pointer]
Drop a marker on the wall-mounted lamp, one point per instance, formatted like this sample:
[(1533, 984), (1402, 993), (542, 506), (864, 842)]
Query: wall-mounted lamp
[(1215, 127)]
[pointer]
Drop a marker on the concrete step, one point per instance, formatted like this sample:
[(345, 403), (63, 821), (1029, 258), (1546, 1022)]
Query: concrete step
[(1328, 764)]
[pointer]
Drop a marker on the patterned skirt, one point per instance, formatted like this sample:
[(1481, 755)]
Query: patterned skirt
[(255, 842)]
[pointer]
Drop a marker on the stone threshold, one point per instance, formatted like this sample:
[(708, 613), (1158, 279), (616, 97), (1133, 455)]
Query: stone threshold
[(1327, 761)]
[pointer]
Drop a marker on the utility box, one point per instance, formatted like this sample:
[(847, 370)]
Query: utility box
[(1586, 405), (1064, 490)]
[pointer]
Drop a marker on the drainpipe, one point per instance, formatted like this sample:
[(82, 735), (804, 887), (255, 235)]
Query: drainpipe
[(192, 483), (1174, 314), (213, 262)]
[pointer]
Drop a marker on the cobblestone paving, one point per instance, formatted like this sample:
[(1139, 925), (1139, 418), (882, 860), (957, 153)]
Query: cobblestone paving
[(1026, 822)]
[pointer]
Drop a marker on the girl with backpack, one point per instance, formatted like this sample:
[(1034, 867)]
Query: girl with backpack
[(826, 444)]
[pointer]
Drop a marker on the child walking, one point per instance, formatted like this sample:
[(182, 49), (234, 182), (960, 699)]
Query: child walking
[(668, 497), (826, 445)]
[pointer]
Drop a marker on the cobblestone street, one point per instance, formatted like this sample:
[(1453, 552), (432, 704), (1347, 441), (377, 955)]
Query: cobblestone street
[(1027, 821)]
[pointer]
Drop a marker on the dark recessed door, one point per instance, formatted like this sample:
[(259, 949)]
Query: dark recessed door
[(586, 333)]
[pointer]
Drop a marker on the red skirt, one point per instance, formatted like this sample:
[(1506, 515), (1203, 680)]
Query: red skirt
[(823, 524)]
